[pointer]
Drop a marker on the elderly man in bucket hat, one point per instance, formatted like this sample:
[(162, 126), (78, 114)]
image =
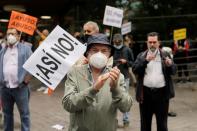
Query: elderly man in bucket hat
[(94, 92)]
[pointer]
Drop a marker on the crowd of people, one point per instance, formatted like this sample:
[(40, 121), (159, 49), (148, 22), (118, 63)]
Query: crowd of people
[(98, 85)]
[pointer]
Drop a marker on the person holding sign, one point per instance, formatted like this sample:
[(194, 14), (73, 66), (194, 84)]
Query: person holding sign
[(154, 85), (43, 35), (94, 92), (181, 54), (14, 81)]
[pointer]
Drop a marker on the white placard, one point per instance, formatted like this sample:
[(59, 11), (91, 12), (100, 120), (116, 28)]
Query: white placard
[(113, 16), (54, 57), (126, 28)]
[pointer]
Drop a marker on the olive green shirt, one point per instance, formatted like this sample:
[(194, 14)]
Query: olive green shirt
[(91, 110)]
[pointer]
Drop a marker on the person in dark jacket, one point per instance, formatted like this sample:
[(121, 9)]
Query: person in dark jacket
[(123, 59), (154, 85), (181, 58)]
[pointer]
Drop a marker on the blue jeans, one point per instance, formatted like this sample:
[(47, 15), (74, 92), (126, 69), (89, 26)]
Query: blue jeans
[(21, 97), (126, 114)]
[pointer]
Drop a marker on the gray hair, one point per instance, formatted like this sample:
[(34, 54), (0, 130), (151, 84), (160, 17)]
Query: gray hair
[(94, 24), (117, 36)]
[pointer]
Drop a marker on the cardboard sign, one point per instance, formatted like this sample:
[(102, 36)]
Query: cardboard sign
[(179, 34), (54, 57), (22, 22), (113, 16), (126, 28)]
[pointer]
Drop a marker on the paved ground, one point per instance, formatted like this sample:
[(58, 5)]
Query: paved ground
[(47, 111)]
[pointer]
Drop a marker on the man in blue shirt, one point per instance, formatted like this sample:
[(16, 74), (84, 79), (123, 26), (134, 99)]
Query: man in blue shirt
[(14, 81)]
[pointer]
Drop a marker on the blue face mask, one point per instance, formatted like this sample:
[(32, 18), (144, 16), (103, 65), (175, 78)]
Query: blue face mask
[(118, 46)]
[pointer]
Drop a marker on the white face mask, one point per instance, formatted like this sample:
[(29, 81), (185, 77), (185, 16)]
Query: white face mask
[(98, 60), (11, 39)]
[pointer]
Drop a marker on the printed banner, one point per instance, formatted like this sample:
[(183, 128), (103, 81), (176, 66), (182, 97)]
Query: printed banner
[(113, 16), (126, 28), (54, 57), (179, 34), (22, 22)]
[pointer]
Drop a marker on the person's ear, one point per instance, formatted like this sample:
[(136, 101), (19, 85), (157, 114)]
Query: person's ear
[(159, 43)]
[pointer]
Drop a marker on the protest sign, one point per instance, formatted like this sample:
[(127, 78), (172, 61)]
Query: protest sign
[(22, 22), (126, 28), (179, 34), (113, 16), (54, 57)]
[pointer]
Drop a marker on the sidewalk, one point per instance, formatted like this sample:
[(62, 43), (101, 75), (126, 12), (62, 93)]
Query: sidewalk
[(47, 111)]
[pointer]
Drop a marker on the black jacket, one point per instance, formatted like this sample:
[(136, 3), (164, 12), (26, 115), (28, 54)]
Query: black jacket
[(123, 53), (139, 67)]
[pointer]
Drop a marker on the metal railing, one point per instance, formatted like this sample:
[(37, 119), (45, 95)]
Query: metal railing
[(191, 62)]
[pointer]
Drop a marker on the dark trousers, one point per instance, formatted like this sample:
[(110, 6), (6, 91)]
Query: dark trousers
[(20, 96), (183, 68), (154, 103)]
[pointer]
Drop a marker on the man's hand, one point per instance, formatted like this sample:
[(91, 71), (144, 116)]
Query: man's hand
[(168, 61), (114, 75), (100, 81), (85, 61), (150, 56)]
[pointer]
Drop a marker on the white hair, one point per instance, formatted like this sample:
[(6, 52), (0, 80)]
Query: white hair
[(169, 50), (94, 24)]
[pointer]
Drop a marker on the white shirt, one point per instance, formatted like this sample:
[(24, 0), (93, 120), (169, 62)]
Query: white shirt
[(10, 67), (153, 74)]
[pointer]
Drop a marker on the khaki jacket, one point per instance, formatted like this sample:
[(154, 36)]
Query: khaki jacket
[(91, 110)]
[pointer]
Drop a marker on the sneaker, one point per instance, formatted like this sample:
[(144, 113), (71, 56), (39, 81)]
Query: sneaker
[(45, 91), (126, 123), (172, 114), (42, 88)]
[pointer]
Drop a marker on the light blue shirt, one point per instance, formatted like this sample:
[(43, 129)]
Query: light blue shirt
[(24, 53), (10, 66)]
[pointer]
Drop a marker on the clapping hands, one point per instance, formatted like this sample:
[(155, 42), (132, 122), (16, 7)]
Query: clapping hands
[(113, 75)]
